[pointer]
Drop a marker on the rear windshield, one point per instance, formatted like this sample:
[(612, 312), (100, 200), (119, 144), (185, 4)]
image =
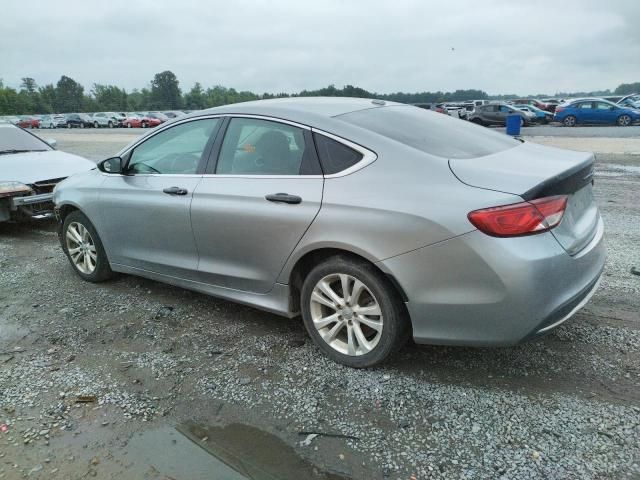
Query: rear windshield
[(431, 132)]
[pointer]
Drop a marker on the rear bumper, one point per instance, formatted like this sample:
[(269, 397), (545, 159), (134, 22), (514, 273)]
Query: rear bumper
[(485, 291)]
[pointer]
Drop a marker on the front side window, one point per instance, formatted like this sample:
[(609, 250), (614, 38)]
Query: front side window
[(262, 147), (604, 106), (176, 150)]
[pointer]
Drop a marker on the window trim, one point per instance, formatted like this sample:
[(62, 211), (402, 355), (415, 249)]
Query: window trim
[(368, 156)]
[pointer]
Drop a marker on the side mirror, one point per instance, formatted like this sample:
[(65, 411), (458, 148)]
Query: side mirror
[(111, 165), (52, 142)]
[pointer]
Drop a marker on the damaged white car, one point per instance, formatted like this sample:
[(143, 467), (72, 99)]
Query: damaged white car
[(29, 170)]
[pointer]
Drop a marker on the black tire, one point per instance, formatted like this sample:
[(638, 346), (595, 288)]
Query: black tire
[(396, 325), (102, 269), (477, 121), (110, 124), (624, 120), (96, 125), (82, 125), (144, 124), (569, 121), (68, 125)]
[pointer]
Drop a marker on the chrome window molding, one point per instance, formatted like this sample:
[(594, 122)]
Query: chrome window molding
[(368, 156), (160, 129)]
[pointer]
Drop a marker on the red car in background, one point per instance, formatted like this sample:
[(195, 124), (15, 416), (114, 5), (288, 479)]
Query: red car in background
[(140, 120), (536, 103), (28, 122)]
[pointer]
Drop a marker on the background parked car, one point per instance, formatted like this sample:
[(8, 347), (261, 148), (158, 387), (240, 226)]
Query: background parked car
[(496, 114), (28, 121), (158, 116), (77, 120), (535, 103), (29, 170), (542, 116), (632, 101), (52, 121), (431, 106), (174, 113), (105, 119), (595, 111)]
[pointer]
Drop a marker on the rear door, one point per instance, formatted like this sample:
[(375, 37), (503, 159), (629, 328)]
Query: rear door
[(255, 203), (585, 112), (145, 213)]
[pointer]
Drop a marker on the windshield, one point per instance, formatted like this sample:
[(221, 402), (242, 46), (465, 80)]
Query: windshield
[(15, 139), (431, 132)]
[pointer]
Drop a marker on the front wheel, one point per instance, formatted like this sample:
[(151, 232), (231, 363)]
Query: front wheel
[(68, 125), (83, 247), (352, 312), (144, 124), (96, 125), (624, 120)]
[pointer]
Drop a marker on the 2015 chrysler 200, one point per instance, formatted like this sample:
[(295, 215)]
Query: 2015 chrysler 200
[(374, 220)]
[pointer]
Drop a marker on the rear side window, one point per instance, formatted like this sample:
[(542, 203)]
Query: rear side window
[(431, 132), (335, 156)]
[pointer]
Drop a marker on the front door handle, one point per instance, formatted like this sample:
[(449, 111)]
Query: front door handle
[(284, 198), (175, 191)]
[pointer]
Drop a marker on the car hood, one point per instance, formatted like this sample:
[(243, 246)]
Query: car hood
[(31, 167)]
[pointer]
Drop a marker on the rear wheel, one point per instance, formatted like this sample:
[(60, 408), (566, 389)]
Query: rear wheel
[(96, 125), (144, 124), (83, 247), (624, 120), (82, 125), (569, 121), (68, 125), (110, 124), (352, 312)]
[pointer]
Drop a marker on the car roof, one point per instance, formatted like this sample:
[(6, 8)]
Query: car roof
[(306, 110)]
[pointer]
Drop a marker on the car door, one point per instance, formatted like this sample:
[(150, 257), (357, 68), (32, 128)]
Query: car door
[(145, 212), (502, 113), (585, 112), (259, 196), (606, 113)]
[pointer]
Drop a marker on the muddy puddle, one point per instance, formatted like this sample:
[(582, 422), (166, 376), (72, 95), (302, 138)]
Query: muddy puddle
[(233, 452)]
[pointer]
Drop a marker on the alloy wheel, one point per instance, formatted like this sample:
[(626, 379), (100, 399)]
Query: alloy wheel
[(346, 314), (624, 120), (81, 248)]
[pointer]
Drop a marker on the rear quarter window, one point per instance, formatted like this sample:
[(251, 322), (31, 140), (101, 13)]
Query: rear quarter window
[(335, 156), (431, 132)]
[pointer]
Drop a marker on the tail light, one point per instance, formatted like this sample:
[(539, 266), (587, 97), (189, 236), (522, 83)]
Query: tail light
[(519, 219)]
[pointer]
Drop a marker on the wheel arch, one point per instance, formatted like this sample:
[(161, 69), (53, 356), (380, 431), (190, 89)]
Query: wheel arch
[(305, 263)]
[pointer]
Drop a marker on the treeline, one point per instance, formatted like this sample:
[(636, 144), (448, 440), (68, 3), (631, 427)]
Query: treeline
[(164, 93)]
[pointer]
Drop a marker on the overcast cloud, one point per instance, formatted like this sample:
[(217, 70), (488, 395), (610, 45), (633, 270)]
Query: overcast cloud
[(500, 46)]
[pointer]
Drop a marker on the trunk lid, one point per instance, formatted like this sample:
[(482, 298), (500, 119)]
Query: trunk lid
[(535, 171)]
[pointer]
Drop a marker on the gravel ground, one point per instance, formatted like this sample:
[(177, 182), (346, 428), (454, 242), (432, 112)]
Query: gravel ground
[(85, 369)]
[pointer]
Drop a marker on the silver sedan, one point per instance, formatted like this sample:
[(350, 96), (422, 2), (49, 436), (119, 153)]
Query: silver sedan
[(375, 221)]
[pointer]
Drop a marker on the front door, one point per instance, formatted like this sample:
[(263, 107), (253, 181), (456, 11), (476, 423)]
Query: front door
[(252, 210), (146, 211)]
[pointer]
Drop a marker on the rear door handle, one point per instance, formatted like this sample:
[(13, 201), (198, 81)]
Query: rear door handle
[(284, 198), (175, 191)]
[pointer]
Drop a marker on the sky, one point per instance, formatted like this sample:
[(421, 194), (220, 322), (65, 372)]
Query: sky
[(499, 46)]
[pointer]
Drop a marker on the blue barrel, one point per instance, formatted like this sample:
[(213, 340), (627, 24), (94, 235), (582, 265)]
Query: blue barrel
[(513, 124)]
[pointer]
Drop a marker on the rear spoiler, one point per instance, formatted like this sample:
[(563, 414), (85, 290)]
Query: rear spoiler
[(567, 182)]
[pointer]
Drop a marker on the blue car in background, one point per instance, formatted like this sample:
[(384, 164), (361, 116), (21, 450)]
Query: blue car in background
[(542, 116), (595, 111)]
